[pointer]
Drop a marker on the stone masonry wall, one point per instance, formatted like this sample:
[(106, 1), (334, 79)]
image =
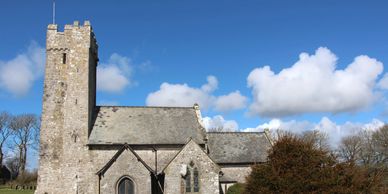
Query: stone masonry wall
[(65, 164)]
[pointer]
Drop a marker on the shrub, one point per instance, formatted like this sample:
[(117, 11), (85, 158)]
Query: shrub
[(297, 166)]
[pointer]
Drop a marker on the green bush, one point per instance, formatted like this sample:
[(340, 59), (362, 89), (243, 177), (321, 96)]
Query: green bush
[(237, 188)]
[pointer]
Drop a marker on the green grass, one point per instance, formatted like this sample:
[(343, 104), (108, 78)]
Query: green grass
[(13, 191)]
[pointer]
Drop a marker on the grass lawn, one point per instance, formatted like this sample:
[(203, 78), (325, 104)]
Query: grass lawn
[(13, 191)]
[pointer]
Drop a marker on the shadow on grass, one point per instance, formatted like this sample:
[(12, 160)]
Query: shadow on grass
[(13, 191)]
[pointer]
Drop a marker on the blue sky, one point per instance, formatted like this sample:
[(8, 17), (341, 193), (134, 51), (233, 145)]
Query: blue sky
[(143, 44)]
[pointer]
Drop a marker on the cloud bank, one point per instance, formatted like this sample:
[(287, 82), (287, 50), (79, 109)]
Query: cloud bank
[(184, 95), (335, 131), (313, 84), (18, 74)]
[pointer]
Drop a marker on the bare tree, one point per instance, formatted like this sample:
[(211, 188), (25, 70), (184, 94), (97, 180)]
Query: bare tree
[(350, 148), (317, 138), (380, 141), (367, 154), (220, 129), (13, 164), (280, 133), (24, 128), (5, 132)]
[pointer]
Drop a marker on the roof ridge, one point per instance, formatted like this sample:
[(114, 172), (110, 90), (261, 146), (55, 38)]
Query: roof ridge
[(182, 107), (237, 132)]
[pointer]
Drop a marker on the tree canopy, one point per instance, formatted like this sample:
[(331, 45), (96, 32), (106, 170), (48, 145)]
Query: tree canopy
[(299, 166)]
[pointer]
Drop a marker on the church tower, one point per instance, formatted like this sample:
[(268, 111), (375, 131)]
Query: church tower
[(68, 105)]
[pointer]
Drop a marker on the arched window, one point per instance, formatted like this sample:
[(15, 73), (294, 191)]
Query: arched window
[(192, 179), (126, 186)]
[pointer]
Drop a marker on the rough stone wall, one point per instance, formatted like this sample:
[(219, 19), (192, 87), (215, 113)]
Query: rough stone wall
[(65, 164), (164, 157), (128, 166), (208, 170)]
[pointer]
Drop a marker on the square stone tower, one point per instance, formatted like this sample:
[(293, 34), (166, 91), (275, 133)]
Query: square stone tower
[(68, 106)]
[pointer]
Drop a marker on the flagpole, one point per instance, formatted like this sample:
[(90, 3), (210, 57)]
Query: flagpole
[(54, 12)]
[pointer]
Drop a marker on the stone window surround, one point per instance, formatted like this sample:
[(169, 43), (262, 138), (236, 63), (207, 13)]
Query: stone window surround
[(126, 177), (191, 168)]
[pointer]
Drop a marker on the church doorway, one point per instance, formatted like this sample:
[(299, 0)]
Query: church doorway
[(126, 186)]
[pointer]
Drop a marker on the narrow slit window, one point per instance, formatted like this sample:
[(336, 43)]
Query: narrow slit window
[(196, 180), (64, 58)]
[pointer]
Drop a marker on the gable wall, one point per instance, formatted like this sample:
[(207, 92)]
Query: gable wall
[(126, 165), (208, 170)]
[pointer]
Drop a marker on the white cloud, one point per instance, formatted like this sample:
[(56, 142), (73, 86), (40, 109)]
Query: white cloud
[(313, 84), (232, 101), (383, 83), (115, 75), (18, 74), (111, 79), (181, 95), (211, 85), (335, 131), (218, 122), (184, 95)]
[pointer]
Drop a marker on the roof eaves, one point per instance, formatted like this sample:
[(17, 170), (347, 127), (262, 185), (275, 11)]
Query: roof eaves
[(102, 171)]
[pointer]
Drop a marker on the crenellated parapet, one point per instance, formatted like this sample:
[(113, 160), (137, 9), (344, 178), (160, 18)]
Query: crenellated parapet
[(73, 35)]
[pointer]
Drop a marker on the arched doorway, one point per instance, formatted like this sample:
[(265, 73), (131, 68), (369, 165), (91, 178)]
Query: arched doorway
[(126, 186)]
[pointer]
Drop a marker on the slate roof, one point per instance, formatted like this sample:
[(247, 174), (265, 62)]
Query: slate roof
[(146, 126), (238, 147)]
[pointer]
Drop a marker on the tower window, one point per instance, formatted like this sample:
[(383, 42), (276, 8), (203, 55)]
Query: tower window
[(64, 58)]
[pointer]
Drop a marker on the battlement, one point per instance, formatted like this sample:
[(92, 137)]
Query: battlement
[(71, 36), (76, 24)]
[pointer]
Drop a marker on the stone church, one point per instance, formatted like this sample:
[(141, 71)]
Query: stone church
[(89, 149)]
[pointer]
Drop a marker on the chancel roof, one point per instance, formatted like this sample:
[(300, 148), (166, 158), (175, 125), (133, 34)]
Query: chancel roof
[(146, 126), (238, 147)]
